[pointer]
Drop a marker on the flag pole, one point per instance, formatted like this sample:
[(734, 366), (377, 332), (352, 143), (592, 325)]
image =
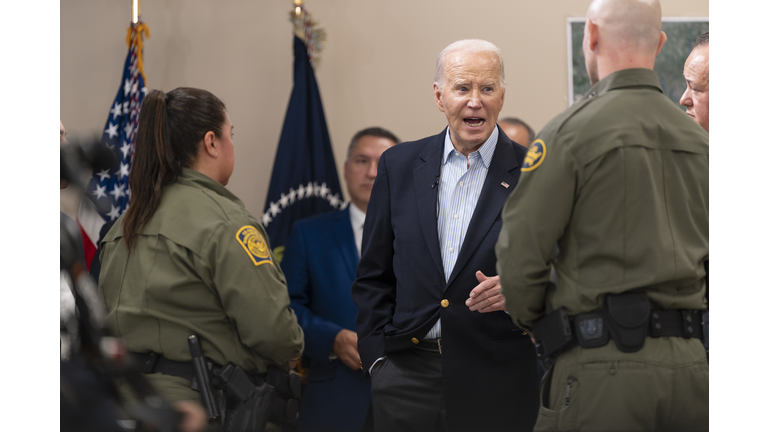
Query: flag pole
[(110, 186), (137, 10), (304, 179)]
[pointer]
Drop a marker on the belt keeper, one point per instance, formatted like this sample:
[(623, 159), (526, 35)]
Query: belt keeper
[(655, 324), (687, 323)]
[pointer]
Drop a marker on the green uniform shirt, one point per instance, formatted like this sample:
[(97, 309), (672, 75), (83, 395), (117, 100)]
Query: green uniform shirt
[(202, 265), (620, 183)]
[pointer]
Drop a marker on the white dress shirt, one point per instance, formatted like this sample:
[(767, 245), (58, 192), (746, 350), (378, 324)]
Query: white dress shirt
[(357, 217)]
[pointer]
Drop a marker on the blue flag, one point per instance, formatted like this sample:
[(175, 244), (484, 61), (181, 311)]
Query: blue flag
[(111, 186), (304, 178)]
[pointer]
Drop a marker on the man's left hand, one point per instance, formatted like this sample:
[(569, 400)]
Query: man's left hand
[(486, 296)]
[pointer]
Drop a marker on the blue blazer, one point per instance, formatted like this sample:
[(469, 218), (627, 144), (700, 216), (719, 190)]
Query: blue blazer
[(489, 365), (319, 264)]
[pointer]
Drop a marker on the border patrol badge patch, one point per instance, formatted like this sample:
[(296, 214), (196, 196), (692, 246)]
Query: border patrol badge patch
[(254, 244), (535, 156)]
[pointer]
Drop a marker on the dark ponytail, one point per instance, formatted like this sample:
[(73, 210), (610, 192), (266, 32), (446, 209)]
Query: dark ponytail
[(171, 128)]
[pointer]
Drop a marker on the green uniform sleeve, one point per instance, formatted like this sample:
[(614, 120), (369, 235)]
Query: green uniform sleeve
[(253, 292), (534, 218)]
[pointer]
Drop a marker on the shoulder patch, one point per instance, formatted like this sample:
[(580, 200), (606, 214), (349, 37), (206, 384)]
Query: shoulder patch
[(535, 156), (254, 244)]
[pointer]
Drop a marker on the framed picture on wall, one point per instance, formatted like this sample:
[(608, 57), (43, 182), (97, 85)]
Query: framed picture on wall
[(681, 35)]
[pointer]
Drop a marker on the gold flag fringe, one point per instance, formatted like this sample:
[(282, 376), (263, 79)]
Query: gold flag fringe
[(135, 39), (306, 29)]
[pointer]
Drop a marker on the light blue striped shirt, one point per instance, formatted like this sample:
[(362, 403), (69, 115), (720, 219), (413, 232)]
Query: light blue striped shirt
[(460, 189)]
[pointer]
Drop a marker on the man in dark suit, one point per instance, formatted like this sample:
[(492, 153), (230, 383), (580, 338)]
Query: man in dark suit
[(428, 267), (320, 264)]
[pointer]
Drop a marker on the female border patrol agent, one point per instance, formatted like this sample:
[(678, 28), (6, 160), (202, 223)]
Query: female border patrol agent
[(187, 258)]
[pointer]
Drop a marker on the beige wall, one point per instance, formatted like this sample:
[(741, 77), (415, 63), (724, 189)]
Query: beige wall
[(377, 68)]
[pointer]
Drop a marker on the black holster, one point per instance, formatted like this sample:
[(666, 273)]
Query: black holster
[(248, 405), (252, 401), (553, 333), (628, 316), (247, 402)]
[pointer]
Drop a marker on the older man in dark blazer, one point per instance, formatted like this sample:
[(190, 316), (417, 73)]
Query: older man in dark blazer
[(428, 267)]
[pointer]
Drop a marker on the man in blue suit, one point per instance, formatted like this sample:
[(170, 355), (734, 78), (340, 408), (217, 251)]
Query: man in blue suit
[(428, 267), (320, 264)]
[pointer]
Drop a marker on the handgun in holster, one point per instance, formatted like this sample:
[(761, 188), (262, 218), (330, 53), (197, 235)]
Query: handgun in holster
[(249, 401), (248, 405), (252, 401)]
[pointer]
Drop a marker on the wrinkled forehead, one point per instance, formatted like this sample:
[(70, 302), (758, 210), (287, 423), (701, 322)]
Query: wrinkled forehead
[(698, 62), (700, 55), (464, 65)]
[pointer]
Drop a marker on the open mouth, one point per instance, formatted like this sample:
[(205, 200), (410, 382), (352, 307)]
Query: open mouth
[(474, 121)]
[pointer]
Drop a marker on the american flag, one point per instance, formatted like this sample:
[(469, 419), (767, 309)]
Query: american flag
[(110, 187)]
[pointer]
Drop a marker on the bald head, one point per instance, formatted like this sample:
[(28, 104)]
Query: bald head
[(631, 24), (622, 34)]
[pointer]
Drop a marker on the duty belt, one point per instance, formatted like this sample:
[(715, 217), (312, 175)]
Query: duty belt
[(152, 362), (283, 389), (627, 320)]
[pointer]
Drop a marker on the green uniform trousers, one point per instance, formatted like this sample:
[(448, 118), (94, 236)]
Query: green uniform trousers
[(662, 387)]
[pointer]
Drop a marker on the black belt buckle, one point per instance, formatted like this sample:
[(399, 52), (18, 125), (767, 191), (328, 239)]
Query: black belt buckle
[(591, 330)]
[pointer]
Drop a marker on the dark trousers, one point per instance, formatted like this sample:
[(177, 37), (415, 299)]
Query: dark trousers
[(407, 391)]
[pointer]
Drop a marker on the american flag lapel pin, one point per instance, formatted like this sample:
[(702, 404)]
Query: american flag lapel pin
[(505, 184)]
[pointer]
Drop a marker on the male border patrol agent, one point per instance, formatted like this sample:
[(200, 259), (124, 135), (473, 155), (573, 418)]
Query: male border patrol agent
[(619, 182)]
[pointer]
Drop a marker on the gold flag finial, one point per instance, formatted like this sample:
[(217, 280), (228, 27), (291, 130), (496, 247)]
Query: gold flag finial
[(305, 29)]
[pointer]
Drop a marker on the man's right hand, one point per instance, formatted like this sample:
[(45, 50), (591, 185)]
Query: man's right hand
[(345, 348)]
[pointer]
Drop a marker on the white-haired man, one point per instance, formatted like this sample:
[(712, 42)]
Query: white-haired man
[(427, 268)]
